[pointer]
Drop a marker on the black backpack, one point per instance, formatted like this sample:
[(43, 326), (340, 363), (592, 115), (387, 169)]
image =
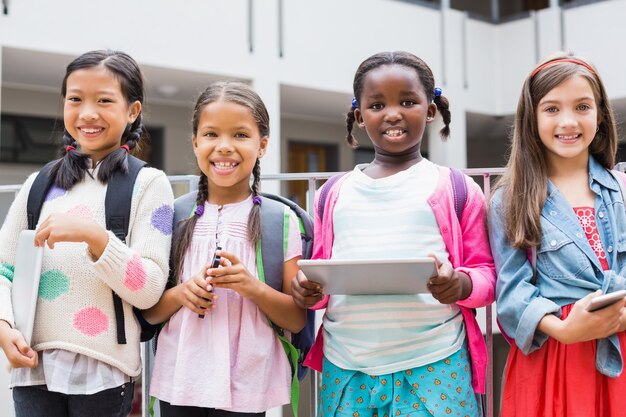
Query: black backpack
[(117, 213)]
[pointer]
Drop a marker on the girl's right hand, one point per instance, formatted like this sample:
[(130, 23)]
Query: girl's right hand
[(305, 293), (196, 294), (582, 325), (18, 353)]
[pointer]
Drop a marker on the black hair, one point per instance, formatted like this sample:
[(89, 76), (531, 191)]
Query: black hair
[(71, 167), (405, 59), (244, 95)]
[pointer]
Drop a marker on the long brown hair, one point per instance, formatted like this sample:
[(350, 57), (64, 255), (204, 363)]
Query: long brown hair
[(244, 95), (524, 183)]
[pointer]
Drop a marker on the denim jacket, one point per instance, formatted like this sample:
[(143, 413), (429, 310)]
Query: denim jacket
[(567, 267)]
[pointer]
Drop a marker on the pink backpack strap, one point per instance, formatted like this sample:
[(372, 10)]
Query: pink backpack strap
[(459, 189), (328, 185)]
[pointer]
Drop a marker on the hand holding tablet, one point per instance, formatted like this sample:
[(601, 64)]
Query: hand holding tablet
[(25, 290), (370, 277)]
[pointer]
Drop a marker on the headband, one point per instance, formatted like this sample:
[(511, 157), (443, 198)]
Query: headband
[(556, 61)]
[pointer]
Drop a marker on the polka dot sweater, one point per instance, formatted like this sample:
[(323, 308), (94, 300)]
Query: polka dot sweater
[(75, 306)]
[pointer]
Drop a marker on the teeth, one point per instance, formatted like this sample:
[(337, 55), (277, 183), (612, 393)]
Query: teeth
[(567, 137), (91, 130), (394, 132), (225, 165)]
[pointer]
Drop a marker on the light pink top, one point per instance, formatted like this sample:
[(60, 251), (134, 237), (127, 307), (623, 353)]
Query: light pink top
[(232, 359)]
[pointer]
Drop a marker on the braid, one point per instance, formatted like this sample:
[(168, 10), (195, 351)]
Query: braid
[(118, 159), (184, 233), (134, 134), (71, 167), (349, 126), (254, 220), (444, 108)]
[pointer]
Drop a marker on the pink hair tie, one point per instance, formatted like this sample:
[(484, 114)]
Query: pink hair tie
[(556, 61), (126, 147), (69, 148)]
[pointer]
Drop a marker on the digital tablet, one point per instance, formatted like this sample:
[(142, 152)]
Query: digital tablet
[(606, 300), (25, 288), (370, 277)]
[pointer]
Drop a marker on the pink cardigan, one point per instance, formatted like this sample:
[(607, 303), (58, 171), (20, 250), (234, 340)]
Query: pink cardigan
[(467, 244)]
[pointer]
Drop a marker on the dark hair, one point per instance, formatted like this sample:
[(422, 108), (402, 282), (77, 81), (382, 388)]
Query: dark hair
[(524, 182), (71, 168), (244, 95), (405, 59)]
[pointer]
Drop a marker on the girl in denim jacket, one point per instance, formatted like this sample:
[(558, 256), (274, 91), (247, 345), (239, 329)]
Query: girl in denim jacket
[(559, 200), (408, 354)]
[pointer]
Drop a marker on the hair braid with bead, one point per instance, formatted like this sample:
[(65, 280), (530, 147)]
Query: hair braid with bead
[(185, 228), (254, 219)]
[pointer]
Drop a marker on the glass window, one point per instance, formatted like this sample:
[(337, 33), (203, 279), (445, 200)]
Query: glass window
[(37, 140), (29, 140), (496, 10)]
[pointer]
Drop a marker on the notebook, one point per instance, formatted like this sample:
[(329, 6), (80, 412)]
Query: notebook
[(26, 283), (369, 277)]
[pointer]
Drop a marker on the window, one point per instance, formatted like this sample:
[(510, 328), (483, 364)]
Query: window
[(496, 10), (29, 140), (37, 140)]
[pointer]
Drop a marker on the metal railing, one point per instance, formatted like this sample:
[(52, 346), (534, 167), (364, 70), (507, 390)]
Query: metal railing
[(184, 183)]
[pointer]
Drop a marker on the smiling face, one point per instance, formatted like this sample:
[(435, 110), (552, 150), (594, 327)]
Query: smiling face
[(227, 145), (567, 119), (95, 111), (394, 110)]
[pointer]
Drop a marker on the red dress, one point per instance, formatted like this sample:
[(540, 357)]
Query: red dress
[(561, 380)]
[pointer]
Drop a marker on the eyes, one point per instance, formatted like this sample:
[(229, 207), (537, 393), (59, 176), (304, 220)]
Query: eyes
[(77, 99), (237, 135), (403, 103), (583, 107)]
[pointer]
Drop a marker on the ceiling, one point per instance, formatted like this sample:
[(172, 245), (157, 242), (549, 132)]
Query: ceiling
[(44, 71)]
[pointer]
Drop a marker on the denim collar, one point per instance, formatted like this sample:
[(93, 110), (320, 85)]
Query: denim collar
[(599, 174)]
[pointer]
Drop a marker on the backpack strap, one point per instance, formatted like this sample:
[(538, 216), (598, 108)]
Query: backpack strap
[(459, 189), (117, 212), (324, 191), (184, 206), (272, 243), (37, 194)]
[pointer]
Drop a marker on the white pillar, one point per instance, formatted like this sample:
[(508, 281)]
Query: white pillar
[(266, 84), (269, 89), (452, 152)]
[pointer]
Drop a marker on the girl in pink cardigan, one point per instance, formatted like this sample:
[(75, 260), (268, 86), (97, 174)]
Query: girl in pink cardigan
[(408, 354)]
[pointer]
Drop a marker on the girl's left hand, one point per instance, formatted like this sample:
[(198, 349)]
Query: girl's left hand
[(449, 286), (62, 227), (233, 275)]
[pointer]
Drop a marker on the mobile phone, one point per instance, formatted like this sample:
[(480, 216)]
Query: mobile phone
[(606, 300), (215, 262)]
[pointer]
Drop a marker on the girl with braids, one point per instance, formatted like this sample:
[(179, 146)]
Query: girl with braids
[(230, 362), (560, 201), (76, 365), (409, 354)]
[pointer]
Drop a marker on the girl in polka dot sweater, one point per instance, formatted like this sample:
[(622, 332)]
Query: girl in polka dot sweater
[(76, 365)]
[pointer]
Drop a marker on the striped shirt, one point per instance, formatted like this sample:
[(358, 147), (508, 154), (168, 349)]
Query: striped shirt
[(389, 218)]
